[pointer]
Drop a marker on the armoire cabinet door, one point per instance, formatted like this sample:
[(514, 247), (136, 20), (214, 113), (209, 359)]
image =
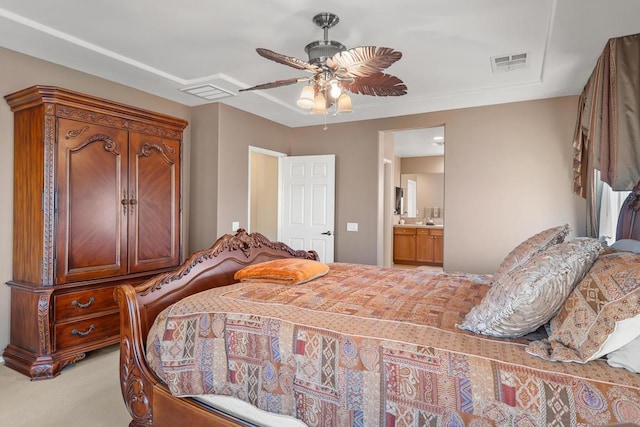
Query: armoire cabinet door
[(154, 218), (92, 190)]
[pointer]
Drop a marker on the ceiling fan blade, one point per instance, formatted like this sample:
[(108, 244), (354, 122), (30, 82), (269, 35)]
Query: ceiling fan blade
[(288, 60), (378, 84), (363, 61), (277, 83)]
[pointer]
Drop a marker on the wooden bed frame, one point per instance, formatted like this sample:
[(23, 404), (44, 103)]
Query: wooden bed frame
[(147, 398)]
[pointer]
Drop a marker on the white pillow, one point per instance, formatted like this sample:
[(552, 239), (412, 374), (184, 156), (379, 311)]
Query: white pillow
[(626, 356), (624, 331)]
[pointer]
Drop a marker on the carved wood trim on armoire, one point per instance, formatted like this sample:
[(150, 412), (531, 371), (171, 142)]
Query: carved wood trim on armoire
[(96, 204)]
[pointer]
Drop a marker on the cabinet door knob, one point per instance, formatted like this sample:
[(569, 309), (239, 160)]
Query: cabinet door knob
[(132, 202), (124, 202)]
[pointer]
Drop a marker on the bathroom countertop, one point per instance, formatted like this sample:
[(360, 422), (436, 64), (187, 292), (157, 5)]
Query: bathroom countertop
[(419, 225)]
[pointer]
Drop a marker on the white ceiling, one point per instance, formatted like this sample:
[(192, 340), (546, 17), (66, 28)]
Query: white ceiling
[(419, 142), (163, 46)]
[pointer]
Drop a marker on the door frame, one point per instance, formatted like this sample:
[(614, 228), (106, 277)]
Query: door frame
[(254, 149), (385, 251)]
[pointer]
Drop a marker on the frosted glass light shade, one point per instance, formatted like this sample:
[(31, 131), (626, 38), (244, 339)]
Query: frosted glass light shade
[(320, 104), (306, 97), (344, 104), (335, 89)]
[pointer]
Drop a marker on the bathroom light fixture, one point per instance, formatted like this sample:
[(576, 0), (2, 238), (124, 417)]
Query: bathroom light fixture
[(438, 141)]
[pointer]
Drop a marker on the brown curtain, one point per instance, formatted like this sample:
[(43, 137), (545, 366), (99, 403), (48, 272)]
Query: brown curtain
[(607, 134)]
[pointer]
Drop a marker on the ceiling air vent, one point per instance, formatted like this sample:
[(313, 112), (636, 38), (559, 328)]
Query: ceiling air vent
[(508, 62), (208, 92)]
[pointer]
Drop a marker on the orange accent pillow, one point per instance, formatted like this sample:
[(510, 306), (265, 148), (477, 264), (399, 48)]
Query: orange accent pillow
[(286, 271)]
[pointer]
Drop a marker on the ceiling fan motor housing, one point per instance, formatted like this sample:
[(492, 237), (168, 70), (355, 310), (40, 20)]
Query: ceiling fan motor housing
[(321, 50)]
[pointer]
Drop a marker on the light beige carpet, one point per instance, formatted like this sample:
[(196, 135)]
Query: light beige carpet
[(85, 394)]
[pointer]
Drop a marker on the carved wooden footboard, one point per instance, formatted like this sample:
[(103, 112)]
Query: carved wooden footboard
[(147, 399)]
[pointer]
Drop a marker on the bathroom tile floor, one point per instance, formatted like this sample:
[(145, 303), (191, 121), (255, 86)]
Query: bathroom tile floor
[(419, 267)]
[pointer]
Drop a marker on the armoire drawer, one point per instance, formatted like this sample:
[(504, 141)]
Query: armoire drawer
[(82, 303), (69, 334)]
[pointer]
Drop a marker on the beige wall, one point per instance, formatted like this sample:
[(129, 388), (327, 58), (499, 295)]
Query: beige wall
[(220, 174), (507, 177), (19, 71), (507, 169), (358, 155), (426, 164), (238, 131), (203, 172)]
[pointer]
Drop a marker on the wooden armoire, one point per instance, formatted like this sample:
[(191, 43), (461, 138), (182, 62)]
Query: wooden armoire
[(96, 204)]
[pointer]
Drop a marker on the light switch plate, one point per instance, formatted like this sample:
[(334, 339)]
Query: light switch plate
[(352, 226), (235, 225)]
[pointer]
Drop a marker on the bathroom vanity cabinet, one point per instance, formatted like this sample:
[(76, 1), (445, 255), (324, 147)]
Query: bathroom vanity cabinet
[(418, 244)]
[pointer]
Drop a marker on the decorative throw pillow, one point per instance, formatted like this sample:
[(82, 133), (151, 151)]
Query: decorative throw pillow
[(601, 315), (525, 298), (288, 271), (530, 247)]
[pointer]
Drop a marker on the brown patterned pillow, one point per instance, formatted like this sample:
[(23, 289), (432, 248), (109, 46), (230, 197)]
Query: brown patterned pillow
[(601, 315), (530, 247), (287, 271), (527, 297)]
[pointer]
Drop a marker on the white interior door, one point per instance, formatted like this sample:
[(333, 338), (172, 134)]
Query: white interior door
[(307, 203)]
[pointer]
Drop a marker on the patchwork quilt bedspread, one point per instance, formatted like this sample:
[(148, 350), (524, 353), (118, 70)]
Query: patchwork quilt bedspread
[(373, 346)]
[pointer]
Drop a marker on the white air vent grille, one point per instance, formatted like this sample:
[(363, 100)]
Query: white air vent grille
[(208, 92), (508, 62)]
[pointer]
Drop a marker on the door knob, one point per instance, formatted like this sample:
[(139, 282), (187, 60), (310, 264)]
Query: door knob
[(327, 233)]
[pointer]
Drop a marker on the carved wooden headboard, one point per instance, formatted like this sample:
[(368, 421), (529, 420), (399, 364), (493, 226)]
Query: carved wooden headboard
[(629, 220)]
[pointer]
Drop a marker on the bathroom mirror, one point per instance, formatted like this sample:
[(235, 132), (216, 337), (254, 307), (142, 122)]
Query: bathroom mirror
[(429, 195)]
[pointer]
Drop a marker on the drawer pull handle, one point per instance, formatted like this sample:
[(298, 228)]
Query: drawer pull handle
[(81, 333), (81, 305)]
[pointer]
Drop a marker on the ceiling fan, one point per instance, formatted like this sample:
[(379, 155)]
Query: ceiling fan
[(335, 70)]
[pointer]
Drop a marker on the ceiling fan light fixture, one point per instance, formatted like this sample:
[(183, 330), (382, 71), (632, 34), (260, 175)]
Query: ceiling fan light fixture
[(306, 97), (320, 104), (336, 70), (335, 90), (344, 104)]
